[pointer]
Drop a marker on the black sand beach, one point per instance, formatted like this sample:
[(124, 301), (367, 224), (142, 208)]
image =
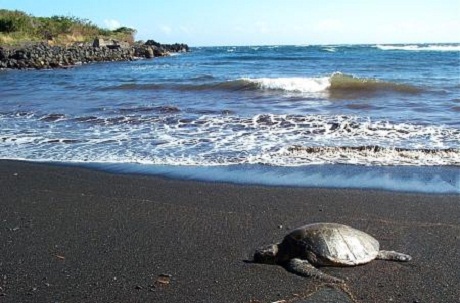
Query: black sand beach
[(76, 235)]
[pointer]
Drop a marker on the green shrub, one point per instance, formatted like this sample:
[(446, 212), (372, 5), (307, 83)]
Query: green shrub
[(7, 26), (19, 24), (14, 21)]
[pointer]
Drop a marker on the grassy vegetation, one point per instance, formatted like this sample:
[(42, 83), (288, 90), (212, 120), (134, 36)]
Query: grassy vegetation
[(17, 28)]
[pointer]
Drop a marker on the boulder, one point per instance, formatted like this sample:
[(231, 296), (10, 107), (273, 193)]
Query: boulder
[(42, 55), (99, 42), (149, 52)]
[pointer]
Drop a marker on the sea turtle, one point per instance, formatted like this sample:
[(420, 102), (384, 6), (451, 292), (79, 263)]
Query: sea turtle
[(324, 244)]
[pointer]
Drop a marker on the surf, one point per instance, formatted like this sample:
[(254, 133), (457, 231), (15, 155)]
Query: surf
[(343, 82), (418, 47), (333, 84), (295, 84), (371, 155)]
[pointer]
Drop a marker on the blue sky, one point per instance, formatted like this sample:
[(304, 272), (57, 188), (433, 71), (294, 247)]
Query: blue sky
[(262, 22)]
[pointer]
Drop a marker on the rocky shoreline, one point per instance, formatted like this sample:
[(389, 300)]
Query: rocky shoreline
[(44, 56)]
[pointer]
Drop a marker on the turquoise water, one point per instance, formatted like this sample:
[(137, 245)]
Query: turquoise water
[(287, 112)]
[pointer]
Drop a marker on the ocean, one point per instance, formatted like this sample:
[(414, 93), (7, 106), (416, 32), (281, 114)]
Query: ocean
[(347, 116)]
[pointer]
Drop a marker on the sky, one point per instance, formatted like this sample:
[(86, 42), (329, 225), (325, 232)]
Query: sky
[(265, 22)]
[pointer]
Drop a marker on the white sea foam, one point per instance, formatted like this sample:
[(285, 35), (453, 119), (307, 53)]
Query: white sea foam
[(337, 82), (280, 140), (330, 49), (369, 155), (296, 84), (417, 47)]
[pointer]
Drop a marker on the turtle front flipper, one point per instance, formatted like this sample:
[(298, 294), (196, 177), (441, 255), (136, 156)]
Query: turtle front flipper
[(305, 269), (393, 256)]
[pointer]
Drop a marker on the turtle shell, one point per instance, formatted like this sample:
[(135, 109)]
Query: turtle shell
[(332, 244)]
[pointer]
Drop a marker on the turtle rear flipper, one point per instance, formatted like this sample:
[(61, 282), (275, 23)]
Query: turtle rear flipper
[(305, 269), (393, 256)]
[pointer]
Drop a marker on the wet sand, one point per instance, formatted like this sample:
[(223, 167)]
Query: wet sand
[(70, 234)]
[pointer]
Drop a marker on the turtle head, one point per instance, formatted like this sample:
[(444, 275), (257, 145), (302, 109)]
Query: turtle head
[(266, 254)]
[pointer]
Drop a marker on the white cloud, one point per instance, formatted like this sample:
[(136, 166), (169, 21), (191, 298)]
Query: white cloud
[(112, 24)]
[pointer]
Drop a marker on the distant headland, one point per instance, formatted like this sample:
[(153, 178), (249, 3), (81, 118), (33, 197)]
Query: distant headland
[(28, 42)]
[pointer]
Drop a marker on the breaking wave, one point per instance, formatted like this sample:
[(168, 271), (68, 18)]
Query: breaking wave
[(417, 47), (298, 84), (337, 82), (333, 85)]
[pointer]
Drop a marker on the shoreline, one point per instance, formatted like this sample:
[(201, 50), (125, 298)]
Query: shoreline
[(428, 180), (432, 180), (82, 235)]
